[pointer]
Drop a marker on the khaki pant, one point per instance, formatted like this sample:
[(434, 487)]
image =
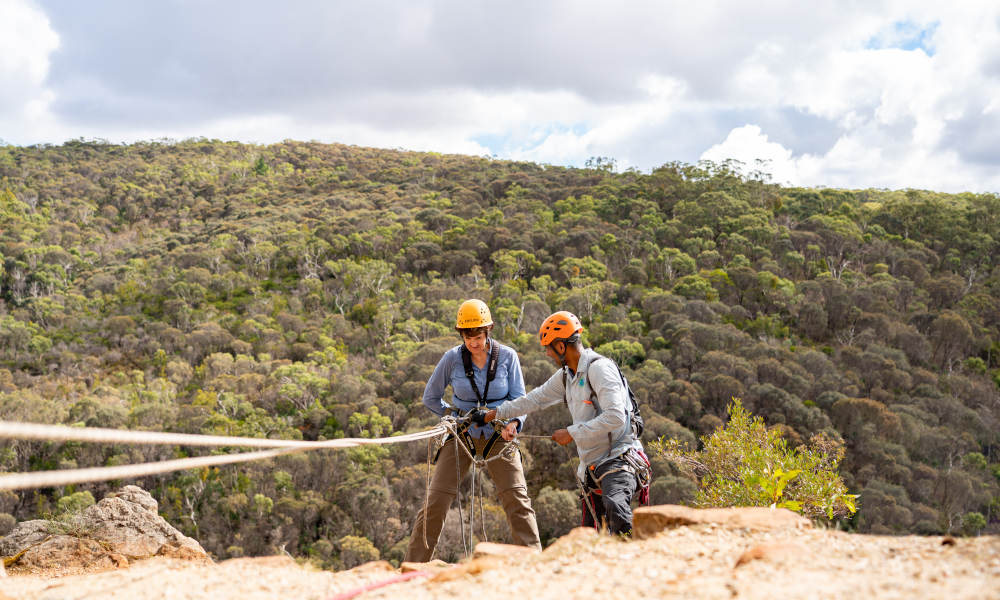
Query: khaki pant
[(508, 478)]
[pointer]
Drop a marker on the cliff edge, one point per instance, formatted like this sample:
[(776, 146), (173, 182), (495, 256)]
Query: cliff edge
[(678, 552)]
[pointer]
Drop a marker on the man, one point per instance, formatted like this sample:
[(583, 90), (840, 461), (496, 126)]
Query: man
[(612, 463)]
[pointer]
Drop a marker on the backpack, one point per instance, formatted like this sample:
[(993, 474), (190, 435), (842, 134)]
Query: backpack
[(634, 417)]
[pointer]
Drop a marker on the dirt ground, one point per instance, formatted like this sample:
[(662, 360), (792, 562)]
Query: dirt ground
[(699, 561)]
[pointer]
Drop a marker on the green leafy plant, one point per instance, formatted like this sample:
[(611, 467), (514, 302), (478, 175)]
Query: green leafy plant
[(774, 487), (746, 464)]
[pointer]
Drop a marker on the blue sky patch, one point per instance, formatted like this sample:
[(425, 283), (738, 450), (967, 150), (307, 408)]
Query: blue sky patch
[(507, 142), (905, 35)]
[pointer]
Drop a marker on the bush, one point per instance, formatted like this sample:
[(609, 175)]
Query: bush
[(973, 523), (7, 523), (356, 550), (745, 464), (558, 511), (74, 503)]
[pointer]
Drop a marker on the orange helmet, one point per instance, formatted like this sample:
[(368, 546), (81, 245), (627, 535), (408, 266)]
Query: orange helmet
[(559, 326), (473, 313)]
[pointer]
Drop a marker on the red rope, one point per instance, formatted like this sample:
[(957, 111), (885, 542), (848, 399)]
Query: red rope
[(371, 586)]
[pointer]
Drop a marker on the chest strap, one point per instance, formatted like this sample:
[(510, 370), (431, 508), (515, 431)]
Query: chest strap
[(491, 370)]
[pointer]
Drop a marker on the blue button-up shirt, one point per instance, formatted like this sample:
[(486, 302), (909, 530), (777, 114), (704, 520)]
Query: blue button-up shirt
[(508, 384)]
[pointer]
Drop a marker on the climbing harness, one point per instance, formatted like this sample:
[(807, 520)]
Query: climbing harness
[(454, 428), (462, 421), (635, 462)]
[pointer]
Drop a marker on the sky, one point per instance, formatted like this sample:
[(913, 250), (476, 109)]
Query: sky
[(841, 93)]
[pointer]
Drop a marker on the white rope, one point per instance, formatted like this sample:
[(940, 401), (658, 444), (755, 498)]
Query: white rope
[(14, 481), (35, 431)]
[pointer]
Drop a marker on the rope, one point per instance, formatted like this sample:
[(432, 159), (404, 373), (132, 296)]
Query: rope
[(482, 510), (477, 464), (450, 425), (372, 586), (590, 502), (458, 487), (427, 489), (15, 481), (472, 505), (34, 431)]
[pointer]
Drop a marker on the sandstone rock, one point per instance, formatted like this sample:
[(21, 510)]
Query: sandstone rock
[(375, 566), (433, 566), (66, 552), (495, 549), (650, 520), (122, 526), (182, 552), (24, 535), (128, 523), (263, 562), (137, 495), (775, 552), (473, 567)]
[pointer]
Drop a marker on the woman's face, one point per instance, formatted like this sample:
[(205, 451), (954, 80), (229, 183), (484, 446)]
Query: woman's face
[(476, 343)]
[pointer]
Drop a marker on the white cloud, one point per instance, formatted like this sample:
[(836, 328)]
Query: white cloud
[(751, 147), (897, 93), (26, 40), (891, 93), (26, 44)]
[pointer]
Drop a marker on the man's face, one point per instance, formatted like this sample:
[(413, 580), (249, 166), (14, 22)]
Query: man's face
[(476, 343), (552, 351)]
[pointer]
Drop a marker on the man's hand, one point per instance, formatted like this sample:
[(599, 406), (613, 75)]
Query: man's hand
[(490, 415), (509, 432), (562, 437)]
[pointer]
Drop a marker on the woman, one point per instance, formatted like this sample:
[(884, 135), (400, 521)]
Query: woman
[(468, 368)]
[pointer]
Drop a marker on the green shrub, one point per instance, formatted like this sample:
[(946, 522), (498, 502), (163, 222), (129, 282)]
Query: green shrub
[(973, 523), (7, 523), (74, 503), (558, 511), (745, 464), (356, 550)]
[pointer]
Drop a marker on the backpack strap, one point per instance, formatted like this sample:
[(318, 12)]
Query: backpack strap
[(628, 392), (565, 401), (491, 369), (628, 389)]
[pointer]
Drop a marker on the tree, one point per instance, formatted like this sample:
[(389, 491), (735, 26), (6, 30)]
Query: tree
[(950, 336), (356, 550)]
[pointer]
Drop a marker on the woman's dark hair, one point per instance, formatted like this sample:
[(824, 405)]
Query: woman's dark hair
[(473, 331)]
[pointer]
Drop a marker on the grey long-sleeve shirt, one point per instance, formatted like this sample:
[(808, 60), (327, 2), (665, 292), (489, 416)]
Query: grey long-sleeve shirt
[(601, 434)]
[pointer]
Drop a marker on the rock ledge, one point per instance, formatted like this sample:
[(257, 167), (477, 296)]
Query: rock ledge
[(122, 527)]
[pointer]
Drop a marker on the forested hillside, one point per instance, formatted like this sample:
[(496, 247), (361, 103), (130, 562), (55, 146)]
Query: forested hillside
[(306, 290)]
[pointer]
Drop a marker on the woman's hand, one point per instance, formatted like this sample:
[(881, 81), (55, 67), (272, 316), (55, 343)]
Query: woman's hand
[(509, 432)]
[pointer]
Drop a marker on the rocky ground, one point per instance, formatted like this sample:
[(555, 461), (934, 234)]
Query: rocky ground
[(678, 553)]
